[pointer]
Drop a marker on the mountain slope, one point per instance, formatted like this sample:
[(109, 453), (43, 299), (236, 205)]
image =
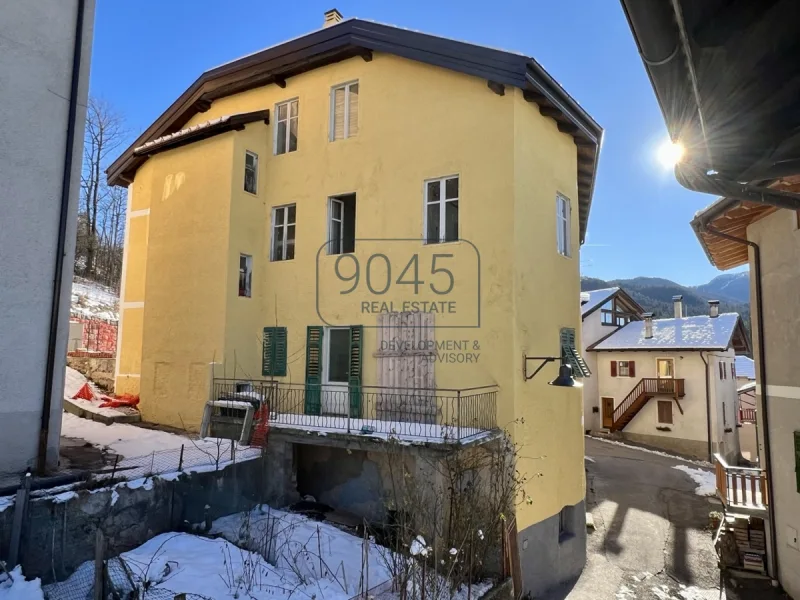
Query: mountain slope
[(734, 287), (655, 295)]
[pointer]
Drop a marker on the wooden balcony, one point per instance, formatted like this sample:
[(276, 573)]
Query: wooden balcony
[(741, 488), (646, 388)]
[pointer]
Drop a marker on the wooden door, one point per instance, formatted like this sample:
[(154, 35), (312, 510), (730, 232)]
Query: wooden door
[(406, 353), (608, 412)]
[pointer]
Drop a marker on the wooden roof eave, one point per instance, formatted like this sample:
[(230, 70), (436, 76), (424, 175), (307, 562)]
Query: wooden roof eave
[(730, 217), (354, 37)]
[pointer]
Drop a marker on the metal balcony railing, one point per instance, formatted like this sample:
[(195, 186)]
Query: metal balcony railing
[(432, 415)]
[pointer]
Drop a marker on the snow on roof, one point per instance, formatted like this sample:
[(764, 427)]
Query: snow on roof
[(700, 333), (745, 367), (183, 132), (747, 387), (595, 298)]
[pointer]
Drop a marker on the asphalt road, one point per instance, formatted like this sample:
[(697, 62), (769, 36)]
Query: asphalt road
[(651, 538)]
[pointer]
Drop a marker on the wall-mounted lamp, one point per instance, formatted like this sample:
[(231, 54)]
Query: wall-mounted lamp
[(564, 379)]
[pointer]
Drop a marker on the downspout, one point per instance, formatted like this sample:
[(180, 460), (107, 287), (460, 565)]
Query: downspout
[(66, 184), (762, 365), (708, 412)]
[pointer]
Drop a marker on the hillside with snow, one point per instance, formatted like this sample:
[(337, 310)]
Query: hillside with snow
[(90, 300)]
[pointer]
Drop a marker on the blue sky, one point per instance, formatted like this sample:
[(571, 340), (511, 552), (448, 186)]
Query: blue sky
[(149, 51)]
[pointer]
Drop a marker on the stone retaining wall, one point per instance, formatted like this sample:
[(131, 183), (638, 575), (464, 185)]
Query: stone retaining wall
[(59, 531)]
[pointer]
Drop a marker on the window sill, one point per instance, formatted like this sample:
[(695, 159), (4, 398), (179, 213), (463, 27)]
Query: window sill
[(663, 428), (451, 243), (283, 260)]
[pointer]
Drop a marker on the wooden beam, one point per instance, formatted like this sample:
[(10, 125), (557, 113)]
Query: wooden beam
[(280, 82), (366, 54), (567, 128), (549, 111), (533, 96), (202, 105), (497, 88)]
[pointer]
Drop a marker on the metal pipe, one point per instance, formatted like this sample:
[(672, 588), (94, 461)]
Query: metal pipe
[(694, 178), (66, 184), (762, 364), (708, 412)]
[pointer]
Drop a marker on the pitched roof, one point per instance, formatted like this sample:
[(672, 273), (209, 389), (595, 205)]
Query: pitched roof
[(200, 131), (745, 367), (355, 37), (747, 387), (595, 298), (688, 333)]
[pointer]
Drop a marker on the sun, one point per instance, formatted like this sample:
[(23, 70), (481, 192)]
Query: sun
[(670, 153)]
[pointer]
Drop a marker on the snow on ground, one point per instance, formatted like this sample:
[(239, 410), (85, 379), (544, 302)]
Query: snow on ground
[(73, 381), (308, 547), (148, 451), (14, 586), (699, 463), (94, 301), (706, 481), (405, 432), (120, 438), (263, 554)]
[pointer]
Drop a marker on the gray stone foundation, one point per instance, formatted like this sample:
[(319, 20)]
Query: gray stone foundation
[(551, 558)]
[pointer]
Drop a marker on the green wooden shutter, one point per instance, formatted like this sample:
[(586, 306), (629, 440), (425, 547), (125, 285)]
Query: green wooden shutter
[(273, 354), (570, 355), (313, 369), (797, 458), (354, 375)]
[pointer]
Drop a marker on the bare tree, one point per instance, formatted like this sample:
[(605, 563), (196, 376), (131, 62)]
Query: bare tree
[(101, 221)]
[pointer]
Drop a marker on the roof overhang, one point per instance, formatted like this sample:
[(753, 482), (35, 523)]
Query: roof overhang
[(200, 132), (727, 77), (634, 308), (354, 38), (732, 217)]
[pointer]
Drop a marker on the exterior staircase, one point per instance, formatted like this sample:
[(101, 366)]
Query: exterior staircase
[(648, 387)]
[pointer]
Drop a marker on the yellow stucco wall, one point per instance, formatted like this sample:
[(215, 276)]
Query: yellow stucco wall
[(416, 122)]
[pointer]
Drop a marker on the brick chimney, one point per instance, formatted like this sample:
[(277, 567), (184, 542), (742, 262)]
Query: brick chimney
[(677, 303), (648, 325), (332, 17), (713, 308)]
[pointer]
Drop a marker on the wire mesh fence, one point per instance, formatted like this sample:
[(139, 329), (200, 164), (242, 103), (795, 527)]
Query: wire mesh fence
[(201, 455), (118, 581)]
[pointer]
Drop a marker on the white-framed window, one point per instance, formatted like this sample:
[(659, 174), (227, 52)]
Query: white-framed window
[(286, 115), (441, 210), (245, 275), (344, 111), (342, 224), (563, 231), (251, 172), (623, 370), (283, 228)]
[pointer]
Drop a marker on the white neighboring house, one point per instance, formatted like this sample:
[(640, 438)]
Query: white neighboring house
[(748, 427), (45, 52), (670, 383), (602, 313), (745, 371)]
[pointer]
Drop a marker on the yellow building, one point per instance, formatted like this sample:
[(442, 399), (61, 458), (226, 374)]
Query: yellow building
[(367, 209)]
